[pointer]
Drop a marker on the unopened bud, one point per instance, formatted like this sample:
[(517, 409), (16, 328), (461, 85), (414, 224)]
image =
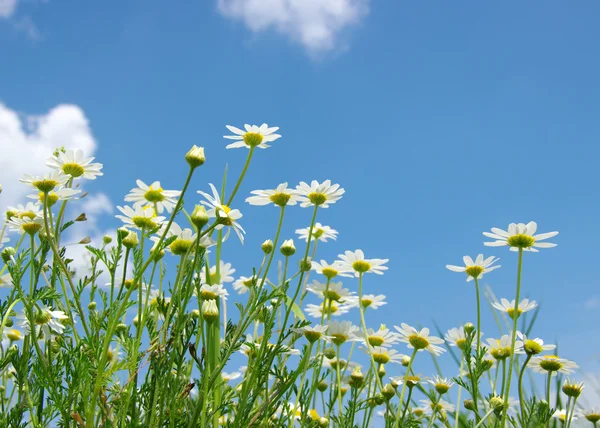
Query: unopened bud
[(288, 248), (388, 392), (199, 216), (106, 239), (131, 240), (322, 385), (305, 265), (329, 353), (195, 157), (8, 253), (267, 246), (469, 328), (210, 311), (469, 404), (92, 306)]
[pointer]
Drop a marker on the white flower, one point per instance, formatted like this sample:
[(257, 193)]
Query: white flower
[(519, 236), (475, 269), (509, 307), (534, 346), (382, 355), (63, 194), (456, 337), (331, 308), (561, 415), (184, 238), (73, 164), (228, 377), (355, 260), (441, 407), (331, 270), (313, 333), (341, 332), (281, 196), (253, 136), (140, 217), (225, 273), (369, 301), (30, 209), (552, 364), (25, 224), (441, 383), (9, 337), (320, 232), (225, 215), (335, 291), (420, 340), (244, 283), (46, 319), (382, 337), (321, 194), (153, 196), (47, 182), (500, 349), (208, 292)]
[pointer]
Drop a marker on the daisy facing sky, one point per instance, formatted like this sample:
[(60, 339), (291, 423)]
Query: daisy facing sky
[(520, 236), (252, 136)]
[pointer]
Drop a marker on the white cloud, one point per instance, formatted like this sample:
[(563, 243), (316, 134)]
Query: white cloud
[(26, 142), (7, 8), (592, 303), (318, 25)]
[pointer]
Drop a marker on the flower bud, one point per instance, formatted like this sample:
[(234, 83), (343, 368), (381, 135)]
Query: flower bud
[(136, 321), (120, 328), (8, 253), (210, 311), (329, 353), (497, 403), (131, 240), (9, 323), (388, 392), (469, 404), (92, 306), (122, 232), (305, 265), (381, 371), (195, 313), (322, 385), (199, 216), (357, 378), (405, 360), (469, 328), (288, 248), (195, 157), (106, 239), (267, 246)]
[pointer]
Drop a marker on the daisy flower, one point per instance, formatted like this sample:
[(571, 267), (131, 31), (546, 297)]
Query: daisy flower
[(153, 196), (552, 364), (212, 292), (53, 196), (253, 136), (225, 273), (369, 301), (534, 346), (9, 337), (30, 209), (500, 349), (184, 239), (73, 164), (411, 381), (332, 308), (475, 269), (334, 291), (341, 332), (321, 194), (441, 384), (244, 283), (47, 182), (140, 217), (382, 355), (519, 236), (225, 215), (47, 320), (355, 261), (320, 232), (330, 270), (281, 196), (509, 307), (420, 340), (592, 415), (335, 362), (25, 224), (572, 389), (382, 337), (561, 415), (441, 407), (313, 333), (456, 337)]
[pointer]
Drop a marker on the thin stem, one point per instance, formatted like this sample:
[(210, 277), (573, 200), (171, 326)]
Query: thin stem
[(237, 185), (521, 387), (412, 358)]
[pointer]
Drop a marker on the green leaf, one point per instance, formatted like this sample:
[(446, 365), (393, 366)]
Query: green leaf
[(295, 309)]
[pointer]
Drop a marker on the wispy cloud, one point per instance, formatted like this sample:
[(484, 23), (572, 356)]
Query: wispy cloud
[(7, 8), (592, 303), (318, 25)]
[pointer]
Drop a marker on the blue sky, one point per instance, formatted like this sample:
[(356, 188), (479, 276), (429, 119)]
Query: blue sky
[(440, 119)]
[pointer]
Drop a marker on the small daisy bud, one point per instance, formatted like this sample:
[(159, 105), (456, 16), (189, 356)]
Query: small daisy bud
[(199, 216), (106, 239), (81, 217), (305, 265), (394, 383), (379, 400), (92, 306), (497, 403), (195, 157), (2, 389), (572, 389), (532, 347), (120, 328), (469, 404), (267, 246), (9, 323), (210, 312), (357, 378), (329, 353), (469, 328), (323, 422), (388, 392), (322, 386), (487, 364), (131, 240), (381, 371), (405, 360), (195, 313), (85, 240), (136, 321), (288, 248), (10, 214), (8, 253), (122, 232)]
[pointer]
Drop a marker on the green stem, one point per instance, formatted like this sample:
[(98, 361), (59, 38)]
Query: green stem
[(412, 358), (521, 387), (302, 378), (237, 185)]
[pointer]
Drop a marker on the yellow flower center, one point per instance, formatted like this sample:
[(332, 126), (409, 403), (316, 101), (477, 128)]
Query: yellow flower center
[(143, 222), (51, 198), (337, 363), (511, 312), (14, 335), (361, 266), (180, 246), (208, 295), (329, 272), (280, 199), (418, 342), (339, 338), (442, 388), (366, 302), (474, 271), (154, 195), (521, 241), (31, 228), (252, 139), (28, 214), (532, 347), (461, 343), (311, 335), (42, 317), (248, 282), (551, 363), (317, 233), (381, 358), (314, 415), (110, 355), (330, 309), (317, 198), (332, 295), (417, 412), (73, 169), (376, 340), (500, 353), (45, 185), (225, 220), (593, 417)]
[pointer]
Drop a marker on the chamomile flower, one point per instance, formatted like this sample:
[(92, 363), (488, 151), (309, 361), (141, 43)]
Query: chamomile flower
[(320, 194), (153, 196), (441, 384), (332, 270), (355, 261), (73, 164), (369, 301), (253, 136), (411, 381), (64, 194), (551, 364), (320, 232), (509, 307), (313, 333), (534, 346), (47, 321), (281, 196), (326, 308), (140, 217), (382, 337), (592, 415), (420, 340), (334, 291), (440, 407), (47, 182), (500, 349), (225, 273), (30, 210), (561, 415), (475, 269), (225, 215), (212, 292), (243, 284), (338, 362), (519, 236), (382, 355), (9, 337), (26, 224), (184, 239), (342, 332), (456, 337)]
